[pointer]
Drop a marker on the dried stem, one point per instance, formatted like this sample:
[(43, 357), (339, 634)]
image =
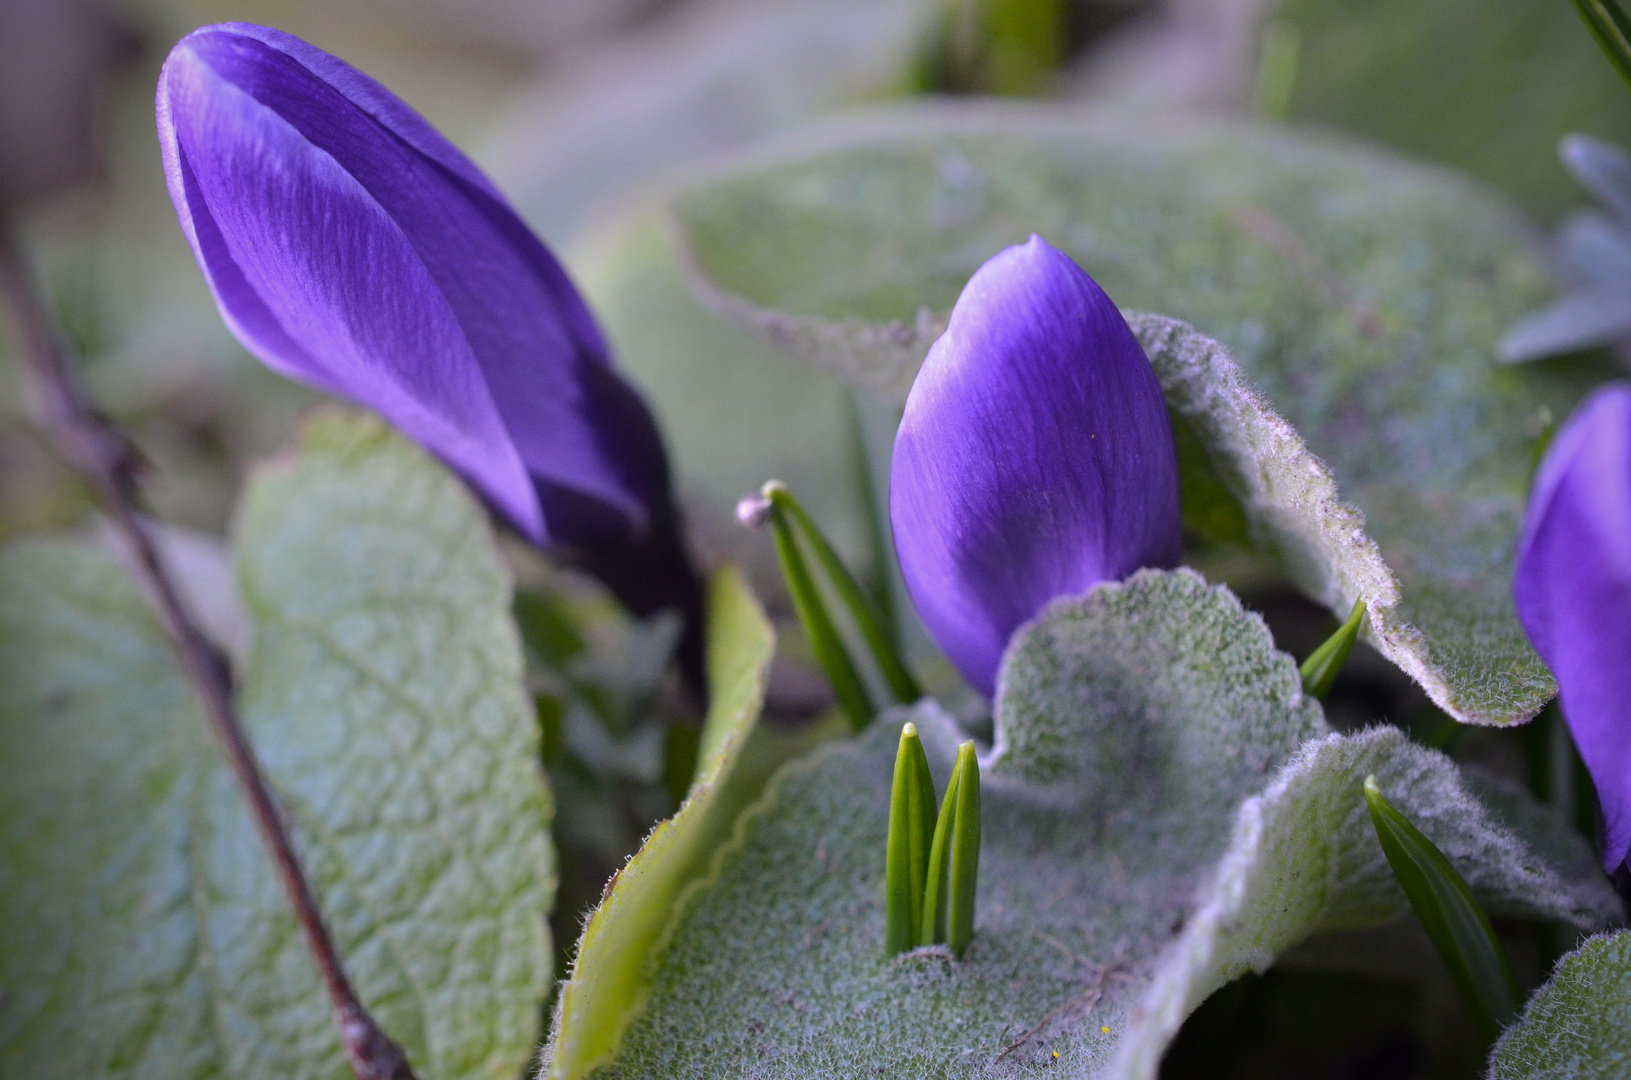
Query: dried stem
[(106, 462)]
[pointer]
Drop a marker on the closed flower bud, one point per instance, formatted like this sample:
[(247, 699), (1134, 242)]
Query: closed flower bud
[(351, 247), (1035, 457), (1572, 586)]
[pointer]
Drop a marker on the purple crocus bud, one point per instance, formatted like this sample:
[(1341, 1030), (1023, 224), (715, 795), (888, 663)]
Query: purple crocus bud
[(1035, 458), (1573, 591), (351, 247)]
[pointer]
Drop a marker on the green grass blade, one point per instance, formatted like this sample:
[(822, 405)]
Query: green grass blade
[(862, 610), (911, 809), (824, 641), (1612, 29), (965, 851), (1324, 664), (937, 882), (1453, 920)]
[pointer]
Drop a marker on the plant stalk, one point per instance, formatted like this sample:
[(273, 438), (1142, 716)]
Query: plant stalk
[(107, 464)]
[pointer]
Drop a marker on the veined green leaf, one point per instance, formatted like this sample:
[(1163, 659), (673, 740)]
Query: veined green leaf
[(1458, 927), (142, 929)]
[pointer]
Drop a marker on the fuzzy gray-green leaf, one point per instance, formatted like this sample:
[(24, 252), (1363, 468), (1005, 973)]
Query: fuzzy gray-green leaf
[(1577, 1026), (1164, 810), (142, 930), (1340, 379)]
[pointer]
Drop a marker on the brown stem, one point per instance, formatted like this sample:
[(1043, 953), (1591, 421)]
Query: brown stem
[(106, 462)]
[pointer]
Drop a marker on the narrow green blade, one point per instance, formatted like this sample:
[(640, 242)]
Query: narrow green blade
[(824, 641), (1452, 918), (1612, 29), (911, 807), (965, 851), (937, 882), (1324, 664), (867, 619)]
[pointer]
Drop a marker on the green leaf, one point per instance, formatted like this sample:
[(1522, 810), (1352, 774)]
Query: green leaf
[(1163, 811), (907, 859), (1457, 926), (1577, 1026), (1324, 664), (1350, 407), (610, 972), (1486, 88), (142, 931)]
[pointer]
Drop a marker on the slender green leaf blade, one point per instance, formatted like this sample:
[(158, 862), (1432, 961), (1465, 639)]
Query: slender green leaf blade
[(935, 921), (1324, 664), (818, 625), (1458, 927), (911, 809), (867, 620), (964, 875)]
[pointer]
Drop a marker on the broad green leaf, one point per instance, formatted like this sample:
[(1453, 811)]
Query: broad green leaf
[(609, 974), (142, 932), (1577, 1026), (1354, 410), (1163, 810), (1487, 87)]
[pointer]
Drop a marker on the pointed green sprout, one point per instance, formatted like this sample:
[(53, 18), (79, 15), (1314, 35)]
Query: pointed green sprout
[(1612, 29), (954, 859), (867, 619), (911, 809), (1323, 665), (824, 640), (1454, 922), (775, 506)]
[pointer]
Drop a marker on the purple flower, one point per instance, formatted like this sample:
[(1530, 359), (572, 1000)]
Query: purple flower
[(1035, 458), (1573, 591), (353, 248)]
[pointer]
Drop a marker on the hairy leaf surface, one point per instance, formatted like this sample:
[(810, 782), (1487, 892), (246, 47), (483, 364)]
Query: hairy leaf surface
[(1163, 810), (1577, 1026), (1358, 300)]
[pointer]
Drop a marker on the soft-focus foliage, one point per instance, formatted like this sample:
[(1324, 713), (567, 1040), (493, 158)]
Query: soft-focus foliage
[(1163, 810), (1577, 1026), (1338, 279), (142, 932)]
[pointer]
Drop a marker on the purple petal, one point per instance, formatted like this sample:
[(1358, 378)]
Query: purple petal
[(1035, 458), (351, 247), (1572, 586)]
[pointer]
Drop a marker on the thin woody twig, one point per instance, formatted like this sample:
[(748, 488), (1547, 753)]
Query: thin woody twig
[(105, 461)]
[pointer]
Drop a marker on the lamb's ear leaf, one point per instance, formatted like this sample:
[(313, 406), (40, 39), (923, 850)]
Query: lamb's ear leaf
[(1164, 810), (1340, 379), (142, 929), (610, 971), (1577, 1026)]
